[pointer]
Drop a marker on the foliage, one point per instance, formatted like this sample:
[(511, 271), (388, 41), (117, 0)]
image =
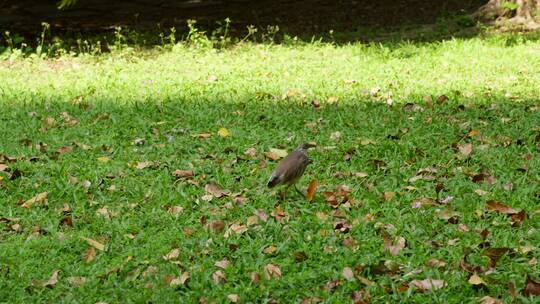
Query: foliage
[(139, 175)]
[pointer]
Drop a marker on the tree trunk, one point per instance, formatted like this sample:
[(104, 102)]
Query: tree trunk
[(510, 13)]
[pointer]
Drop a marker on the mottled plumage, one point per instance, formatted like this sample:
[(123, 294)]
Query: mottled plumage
[(291, 168)]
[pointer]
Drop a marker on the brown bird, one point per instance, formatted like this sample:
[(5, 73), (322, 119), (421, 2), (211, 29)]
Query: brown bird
[(291, 168)]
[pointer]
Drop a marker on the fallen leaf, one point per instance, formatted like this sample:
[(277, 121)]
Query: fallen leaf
[(435, 263), (493, 205), (490, 300), (271, 271), (216, 226), (395, 248), (251, 152), (202, 135), (481, 192), (465, 150), (40, 198), (275, 154), (76, 281), (172, 255), (278, 213), (348, 274), (94, 243), (235, 228), (212, 78), (494, 254), (428, 284), (261, 214), (143, 165), (425, 201), (388, 195), (476, 280), (252, 220), (233, 298), (349, 242), (180, 280), (182, 173), (360, 174), (218, 277), (52, 280), (270, 249), (223, 132), (311, 190), (65, 149), (103, 159), (518, 218), (89, 254), (335, 136), (223, 264), (255, 277), (531, 288), (214, 190)]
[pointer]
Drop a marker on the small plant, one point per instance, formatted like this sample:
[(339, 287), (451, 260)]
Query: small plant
[(119, 38), (271, 32), (220, 36), (196, 37), (46, 28), (252, 30)]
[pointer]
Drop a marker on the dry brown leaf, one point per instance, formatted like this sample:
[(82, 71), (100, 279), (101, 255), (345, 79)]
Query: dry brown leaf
[(271, 271), (182, 173), (76, 281), (428, 284), (490, 300), (202, 135), (223, 264), (348, 273), (233, 298), (251, 152), (180, 280), (216, 226), (215, 190), (531, 288), (263, 216), (143, 165), (89, 254), (278, 213), (235, 228), (52, 280), (94, 243), (465, 150), (435, 263), (481, 192), (395, 248), (270, 249), (388, 195), (311, 190), (255, 277), (424, 201), (494, 254), (38, 199), (476, 280), (219, 277), (493, 205), (3, 167), (252, 220), (65, 149), (172, 255)]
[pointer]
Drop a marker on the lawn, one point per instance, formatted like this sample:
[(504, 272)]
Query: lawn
[(140, 175)]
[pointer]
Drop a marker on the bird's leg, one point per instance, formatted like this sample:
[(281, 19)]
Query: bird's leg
[(284, 192), (297, 190)]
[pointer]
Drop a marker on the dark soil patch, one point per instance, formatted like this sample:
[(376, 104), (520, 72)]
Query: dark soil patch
[(294, 17)]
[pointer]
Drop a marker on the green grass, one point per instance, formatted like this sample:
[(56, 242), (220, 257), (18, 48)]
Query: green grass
[(166, 96)]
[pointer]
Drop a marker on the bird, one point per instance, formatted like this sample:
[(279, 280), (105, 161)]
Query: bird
[(291, 168)]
